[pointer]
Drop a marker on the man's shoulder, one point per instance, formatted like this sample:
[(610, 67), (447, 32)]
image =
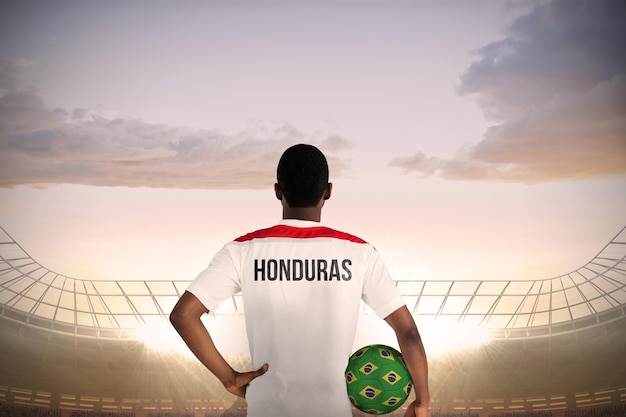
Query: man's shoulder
[(282, 231)]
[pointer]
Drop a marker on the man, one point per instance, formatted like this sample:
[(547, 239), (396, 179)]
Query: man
[(301, 285)]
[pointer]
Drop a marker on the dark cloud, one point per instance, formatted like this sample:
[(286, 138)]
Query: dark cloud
[(556, 87), (41, 146)]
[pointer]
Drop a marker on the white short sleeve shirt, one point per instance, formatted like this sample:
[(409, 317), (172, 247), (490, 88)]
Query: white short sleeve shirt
[(301, 285)]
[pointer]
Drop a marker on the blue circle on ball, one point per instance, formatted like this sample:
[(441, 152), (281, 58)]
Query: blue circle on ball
[(368, 368), (392, 377), (349, 377), (370, 393), (385, 353), (392, 401)]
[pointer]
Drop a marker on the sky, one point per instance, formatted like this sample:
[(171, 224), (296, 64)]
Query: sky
[(466, 139)]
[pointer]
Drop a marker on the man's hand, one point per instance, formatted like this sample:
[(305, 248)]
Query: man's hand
[(415, 410), (185, 318), (414, 356), (243, 379)]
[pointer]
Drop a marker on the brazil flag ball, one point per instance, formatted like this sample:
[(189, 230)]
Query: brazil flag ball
[(378, 382)]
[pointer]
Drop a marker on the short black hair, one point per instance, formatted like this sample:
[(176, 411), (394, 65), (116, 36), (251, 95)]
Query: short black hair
[(302, 175)]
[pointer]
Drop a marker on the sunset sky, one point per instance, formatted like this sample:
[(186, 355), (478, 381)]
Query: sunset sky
[(467, 139)]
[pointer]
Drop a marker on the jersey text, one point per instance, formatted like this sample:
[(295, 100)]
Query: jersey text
[(299, 269)]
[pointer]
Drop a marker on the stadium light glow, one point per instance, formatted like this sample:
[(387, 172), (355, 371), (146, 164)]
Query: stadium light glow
[(160, 335), (446, 336)]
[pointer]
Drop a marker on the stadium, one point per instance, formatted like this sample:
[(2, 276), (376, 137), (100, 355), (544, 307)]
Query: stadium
[(545, 347)]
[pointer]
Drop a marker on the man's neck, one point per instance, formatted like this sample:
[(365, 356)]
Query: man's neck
[(312, 214)]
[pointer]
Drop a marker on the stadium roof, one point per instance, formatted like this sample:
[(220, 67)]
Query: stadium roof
[(592, 294)]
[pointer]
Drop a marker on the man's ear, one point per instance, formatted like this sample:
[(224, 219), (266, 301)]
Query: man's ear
[(329, 191), (278, 192)]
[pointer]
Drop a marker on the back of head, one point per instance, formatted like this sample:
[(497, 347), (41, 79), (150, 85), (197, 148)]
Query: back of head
[(302, 175)]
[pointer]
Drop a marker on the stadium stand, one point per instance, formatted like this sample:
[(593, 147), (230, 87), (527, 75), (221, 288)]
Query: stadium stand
[(18, 410), (618, 410), (462, 414), (7, 410), (525, 414), (71, 345)]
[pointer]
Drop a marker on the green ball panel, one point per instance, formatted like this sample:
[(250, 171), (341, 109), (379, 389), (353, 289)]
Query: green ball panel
[(377, 379)]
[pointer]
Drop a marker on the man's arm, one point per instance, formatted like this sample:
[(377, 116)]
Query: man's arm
[(185, 318), (414, 356)]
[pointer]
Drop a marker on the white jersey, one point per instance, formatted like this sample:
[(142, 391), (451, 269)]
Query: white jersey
[(301, 285)]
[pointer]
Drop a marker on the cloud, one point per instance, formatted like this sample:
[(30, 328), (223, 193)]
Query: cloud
[(41, 146), (556, 88), (10, 73)]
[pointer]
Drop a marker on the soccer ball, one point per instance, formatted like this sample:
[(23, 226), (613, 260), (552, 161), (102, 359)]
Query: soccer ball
[(377, 379)]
